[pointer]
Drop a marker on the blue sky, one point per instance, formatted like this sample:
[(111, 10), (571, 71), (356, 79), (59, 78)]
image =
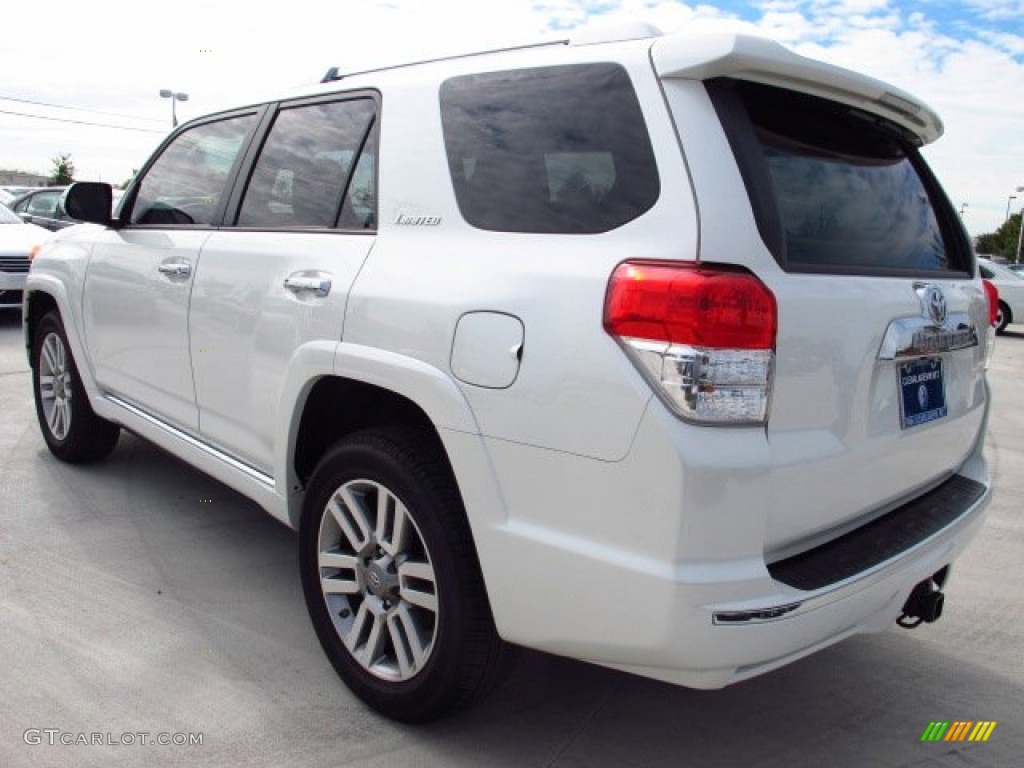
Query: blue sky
[(966, 59)]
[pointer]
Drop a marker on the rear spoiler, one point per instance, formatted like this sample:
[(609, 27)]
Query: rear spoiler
[(704, 56)]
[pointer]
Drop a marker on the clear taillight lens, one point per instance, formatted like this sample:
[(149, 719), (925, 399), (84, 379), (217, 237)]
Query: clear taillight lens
[(704, 336)]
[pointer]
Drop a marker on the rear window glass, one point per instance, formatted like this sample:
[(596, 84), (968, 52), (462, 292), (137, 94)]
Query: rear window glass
[(551, 150), (848, 192)]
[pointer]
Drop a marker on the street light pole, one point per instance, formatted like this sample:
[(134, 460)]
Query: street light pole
[(1009, 200), (166, 93), (962, 206)]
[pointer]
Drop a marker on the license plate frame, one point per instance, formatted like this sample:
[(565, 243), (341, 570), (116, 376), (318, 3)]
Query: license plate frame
[(922, 386)]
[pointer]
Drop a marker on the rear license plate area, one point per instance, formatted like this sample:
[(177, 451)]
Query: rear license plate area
[(922, 392)]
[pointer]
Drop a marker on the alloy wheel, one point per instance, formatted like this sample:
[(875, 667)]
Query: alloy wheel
[(55, 385), (377, 580)]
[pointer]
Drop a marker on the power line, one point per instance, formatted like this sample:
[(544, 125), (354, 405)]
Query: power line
[(80, 122), (79, 109)]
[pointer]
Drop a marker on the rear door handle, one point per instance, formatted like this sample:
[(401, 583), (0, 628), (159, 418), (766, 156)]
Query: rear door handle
[(176, 269), (300, 283)]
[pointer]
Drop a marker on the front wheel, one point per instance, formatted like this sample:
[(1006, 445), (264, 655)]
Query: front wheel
[(391, 577), (72, 430)]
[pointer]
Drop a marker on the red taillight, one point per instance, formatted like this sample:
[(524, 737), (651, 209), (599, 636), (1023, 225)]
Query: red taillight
[(992, 294), (719, 307), (703, 336)]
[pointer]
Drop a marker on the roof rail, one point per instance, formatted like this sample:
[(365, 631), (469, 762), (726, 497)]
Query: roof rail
[(613, 32), (335, 73)]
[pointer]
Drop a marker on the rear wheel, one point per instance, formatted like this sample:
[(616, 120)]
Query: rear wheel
[(1003, 317), (72, 430), (391, 577)]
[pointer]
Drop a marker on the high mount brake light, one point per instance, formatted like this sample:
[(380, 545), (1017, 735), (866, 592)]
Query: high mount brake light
[(704, 336)]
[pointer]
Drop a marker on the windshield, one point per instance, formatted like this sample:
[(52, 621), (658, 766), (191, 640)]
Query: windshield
[(7, 216)]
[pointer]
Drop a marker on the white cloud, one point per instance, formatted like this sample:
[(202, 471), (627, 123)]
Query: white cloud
[(998, 10)]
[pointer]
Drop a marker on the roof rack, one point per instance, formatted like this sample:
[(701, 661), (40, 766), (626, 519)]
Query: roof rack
[(335, 73)]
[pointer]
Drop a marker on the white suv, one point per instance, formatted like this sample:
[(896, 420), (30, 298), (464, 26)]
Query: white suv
[(665, 353)]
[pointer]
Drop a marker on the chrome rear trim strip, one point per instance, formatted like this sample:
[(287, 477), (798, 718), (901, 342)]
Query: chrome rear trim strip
[(910, 337)]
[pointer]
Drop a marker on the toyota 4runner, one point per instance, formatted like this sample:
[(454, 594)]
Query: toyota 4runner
[(666, 353)]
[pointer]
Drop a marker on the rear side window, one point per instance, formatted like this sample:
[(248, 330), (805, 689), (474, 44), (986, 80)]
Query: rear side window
[(316, 169), (835, 189), (551, 150)]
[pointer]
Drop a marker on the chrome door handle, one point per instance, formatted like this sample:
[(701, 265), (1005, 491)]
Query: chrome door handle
[(321, 286), (181, 269)]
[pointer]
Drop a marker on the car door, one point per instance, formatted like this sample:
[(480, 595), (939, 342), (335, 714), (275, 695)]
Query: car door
[(278, 277), (140, 275)]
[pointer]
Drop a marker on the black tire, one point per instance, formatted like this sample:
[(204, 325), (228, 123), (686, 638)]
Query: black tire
[(1004, 317), (463, 657), (72, 430)]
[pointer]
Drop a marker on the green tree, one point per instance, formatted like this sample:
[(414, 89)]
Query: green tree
[(63, 169), (1002, 242)]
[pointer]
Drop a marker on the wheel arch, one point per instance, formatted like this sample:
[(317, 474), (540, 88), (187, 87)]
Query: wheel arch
[(380, 388), (37, 305), (44, 294)]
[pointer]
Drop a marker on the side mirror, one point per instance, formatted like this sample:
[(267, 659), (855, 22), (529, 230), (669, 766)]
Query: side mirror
[(88, 201)]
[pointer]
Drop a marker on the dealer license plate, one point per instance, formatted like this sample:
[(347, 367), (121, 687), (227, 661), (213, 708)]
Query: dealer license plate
[(922, 392)]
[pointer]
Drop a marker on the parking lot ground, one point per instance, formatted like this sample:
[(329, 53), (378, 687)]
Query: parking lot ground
[(138, 596)]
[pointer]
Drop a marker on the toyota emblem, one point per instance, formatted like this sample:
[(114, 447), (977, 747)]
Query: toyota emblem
[(934, 304)]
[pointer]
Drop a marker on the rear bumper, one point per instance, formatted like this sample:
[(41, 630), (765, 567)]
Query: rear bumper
[(718, 654), (647, 567)]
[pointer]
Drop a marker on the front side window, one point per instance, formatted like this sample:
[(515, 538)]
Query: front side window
[(315, 169), (553, 150), (187, 183)]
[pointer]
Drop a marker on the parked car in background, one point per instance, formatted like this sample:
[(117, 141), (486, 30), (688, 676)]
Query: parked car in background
[(43, 207), (1018, 267), (19, 243), (1011, 292)]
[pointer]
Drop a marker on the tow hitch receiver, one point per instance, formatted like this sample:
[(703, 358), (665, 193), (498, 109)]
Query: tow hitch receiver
[(923, 605)]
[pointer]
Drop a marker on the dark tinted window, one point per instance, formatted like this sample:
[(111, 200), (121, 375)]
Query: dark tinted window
[(313, 155), (848, 191), (187, 183), (558, 149)]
